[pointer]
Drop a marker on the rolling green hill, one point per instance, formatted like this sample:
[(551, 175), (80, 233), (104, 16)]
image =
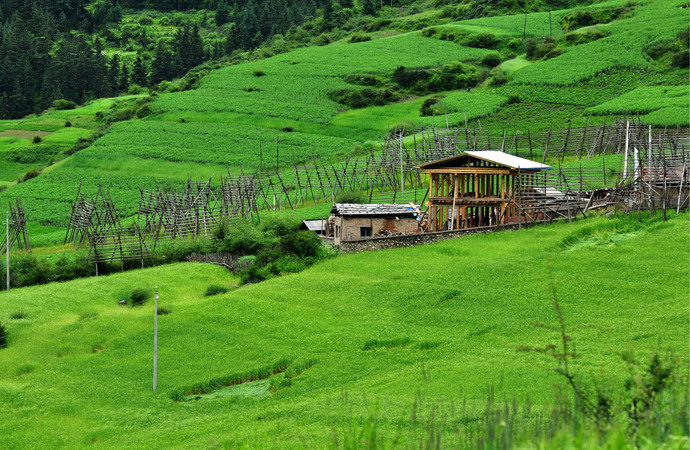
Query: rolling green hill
[(399, 335), (244, 110)]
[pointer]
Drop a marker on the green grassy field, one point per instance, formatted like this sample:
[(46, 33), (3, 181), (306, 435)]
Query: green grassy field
[(397, 333), (653, 22), (239, 112)]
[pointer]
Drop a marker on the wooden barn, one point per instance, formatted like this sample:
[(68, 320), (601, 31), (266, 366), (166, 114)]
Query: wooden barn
[(478, 188)]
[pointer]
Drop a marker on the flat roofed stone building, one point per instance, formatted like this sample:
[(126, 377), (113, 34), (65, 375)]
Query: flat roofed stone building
[(477, 188), (353, 221)]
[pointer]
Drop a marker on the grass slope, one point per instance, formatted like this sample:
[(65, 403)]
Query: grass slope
[(442, 320)]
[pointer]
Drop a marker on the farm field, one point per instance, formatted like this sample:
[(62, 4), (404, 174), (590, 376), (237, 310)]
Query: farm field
[(395, 339), (242, 115)]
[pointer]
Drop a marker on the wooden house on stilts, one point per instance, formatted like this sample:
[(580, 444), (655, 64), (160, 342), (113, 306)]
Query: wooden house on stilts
[(479, 188)]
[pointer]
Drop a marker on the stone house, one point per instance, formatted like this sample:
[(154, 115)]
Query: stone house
[(352, 221)]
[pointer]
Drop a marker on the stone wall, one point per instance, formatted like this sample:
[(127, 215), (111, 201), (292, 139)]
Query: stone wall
[(348, 228), (417, 239)]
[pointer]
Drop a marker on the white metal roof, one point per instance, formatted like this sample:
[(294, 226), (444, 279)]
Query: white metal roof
[(356, 209), (506, 159)]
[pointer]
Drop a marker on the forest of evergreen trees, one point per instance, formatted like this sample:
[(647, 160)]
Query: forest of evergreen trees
[(52, 49)]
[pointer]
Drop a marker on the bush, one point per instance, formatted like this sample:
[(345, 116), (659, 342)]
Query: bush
[(480, 40), (280, 225), (64, 104), (681, 59), (138, 297), (427, 108), (258, 73), (499, 79), (37, 139), (428, 32), (513, 98), (3, 336), (145, 20), (31, 173), (491, 59), (135, 89), (144, 110), (355, 38), (350, 197), (243, 238), (214, 289), (301, 244)]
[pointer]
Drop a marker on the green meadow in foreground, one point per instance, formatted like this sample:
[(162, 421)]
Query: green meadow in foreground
[(400, 336)]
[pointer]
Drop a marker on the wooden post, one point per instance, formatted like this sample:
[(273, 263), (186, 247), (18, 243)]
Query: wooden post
[(155, 338)]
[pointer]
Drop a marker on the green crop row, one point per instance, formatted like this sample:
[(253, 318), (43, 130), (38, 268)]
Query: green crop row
[(656, 21), (645, 100)]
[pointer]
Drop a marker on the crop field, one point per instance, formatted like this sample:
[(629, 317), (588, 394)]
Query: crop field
[(461, 105), (670, 103), (200, 142), (388, 337), (294, 85), (653, 22)]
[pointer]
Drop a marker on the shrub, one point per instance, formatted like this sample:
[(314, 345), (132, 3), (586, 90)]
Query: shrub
[(491, 59), (281, 225), (350, 197), (3, 336), (427, 108), (139, 296), (355, 38), (243, 238), (145, 20), (301, 243), (215, 289), (64, 104), (428, 32), (164, 21), (135, 89), (37, 139), (480, 40), (513, 98), (258, 73), (499, 79), (31, 173), (144, 110), (681, 59)]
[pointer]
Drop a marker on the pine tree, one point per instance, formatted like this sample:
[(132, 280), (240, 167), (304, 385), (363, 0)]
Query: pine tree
[(222, 13), (114, 73), (123, 82), (369, 7), (161, 65), (139, 76)]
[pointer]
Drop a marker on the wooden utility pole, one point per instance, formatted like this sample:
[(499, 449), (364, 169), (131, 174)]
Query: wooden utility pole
[(524, 31), (7, 248), (155, 338)]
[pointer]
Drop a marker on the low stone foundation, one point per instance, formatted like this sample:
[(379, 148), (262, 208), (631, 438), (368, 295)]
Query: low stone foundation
[(419, 238)]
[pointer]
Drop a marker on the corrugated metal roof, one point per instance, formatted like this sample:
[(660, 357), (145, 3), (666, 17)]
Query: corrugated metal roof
[(378, 209), (315, 224), (501, 158), (505, 159)]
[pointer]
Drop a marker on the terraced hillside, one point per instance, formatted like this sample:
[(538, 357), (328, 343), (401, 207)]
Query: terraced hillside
[(390, 346), (241, 114)]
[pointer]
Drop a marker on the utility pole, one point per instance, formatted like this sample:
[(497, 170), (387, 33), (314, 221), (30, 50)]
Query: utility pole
[(155, 338), (402, 178), (7, 248)]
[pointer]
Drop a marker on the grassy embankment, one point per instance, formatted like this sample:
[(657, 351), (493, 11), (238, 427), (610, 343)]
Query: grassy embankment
[(400, 335)]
